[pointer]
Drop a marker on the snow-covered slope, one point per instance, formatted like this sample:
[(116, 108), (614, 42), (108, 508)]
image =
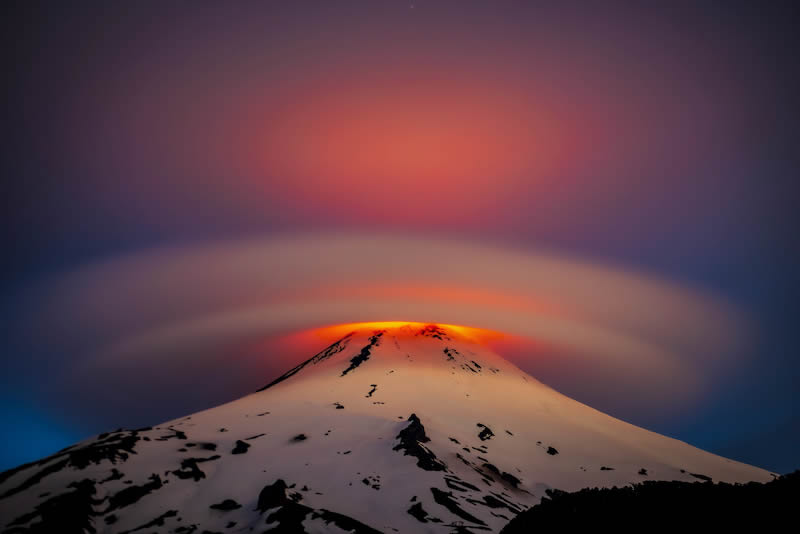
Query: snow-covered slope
[(406, 429)]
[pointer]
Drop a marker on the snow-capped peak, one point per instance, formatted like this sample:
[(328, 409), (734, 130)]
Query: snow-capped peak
[(409, 428)]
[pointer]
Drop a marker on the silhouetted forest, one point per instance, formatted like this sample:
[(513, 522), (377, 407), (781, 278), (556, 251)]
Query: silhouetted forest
[(680, 505)]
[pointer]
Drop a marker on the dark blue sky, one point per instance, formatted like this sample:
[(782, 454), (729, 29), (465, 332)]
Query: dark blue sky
[(662, 140)]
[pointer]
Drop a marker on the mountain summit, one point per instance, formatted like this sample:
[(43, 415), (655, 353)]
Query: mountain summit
[(404, 429)]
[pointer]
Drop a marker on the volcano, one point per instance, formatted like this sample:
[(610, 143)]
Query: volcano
[(404, 429)]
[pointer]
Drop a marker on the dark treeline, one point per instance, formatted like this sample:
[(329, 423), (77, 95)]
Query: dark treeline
[(680, 505)]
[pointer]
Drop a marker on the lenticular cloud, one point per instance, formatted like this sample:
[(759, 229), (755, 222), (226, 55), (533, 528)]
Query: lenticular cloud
[(165, 303)]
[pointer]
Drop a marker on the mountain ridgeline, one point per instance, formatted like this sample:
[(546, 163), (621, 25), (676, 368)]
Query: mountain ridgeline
[(404, 429)]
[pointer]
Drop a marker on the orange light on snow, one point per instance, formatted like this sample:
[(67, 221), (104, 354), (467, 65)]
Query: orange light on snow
[(334, 332)]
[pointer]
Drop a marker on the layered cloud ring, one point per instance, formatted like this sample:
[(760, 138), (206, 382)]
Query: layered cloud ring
[(186, 302)]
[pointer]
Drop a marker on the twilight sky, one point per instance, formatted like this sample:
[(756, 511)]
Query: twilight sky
[(616, 138)]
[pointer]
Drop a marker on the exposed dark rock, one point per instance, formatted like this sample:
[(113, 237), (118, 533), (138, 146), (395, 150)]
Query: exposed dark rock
[(332, 349), (131, 494), (468, 368), (411, 439), (289, 518), (114, 447), (457, 484), (241, 447), (433, 331), (507, 477), (290, 514), (157, 522), (189, 468), (111, 447), (348, 524), (373, 481), (371, 391), (418, 513), (37, 477), (486, 477), (495, 501), (643, 471), (68, 512), (272, 496), (226, 505), (604, 468), (176, 434), (704, 478), (338, 406), (115, 475), (254, 437), (511, 479), (485, 433), (552, 451), (446, 499), (363, 356), (504, 497), (300, 437), (463, 460)]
